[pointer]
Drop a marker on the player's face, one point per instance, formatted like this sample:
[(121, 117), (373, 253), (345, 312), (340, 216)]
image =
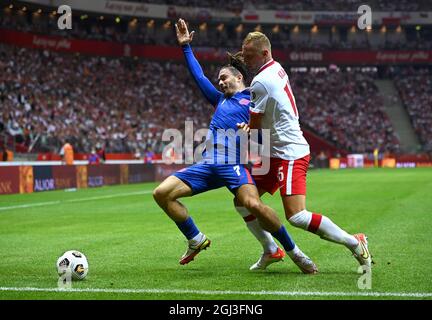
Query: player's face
[(229, 84), (253, 57)]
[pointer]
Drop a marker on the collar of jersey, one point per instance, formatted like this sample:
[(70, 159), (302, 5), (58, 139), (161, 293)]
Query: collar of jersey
[(244, 92), (266, 65)]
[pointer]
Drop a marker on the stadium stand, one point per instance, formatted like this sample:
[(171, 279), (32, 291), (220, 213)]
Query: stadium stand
[(346, 108), (298, 5), (415, 89), (79, 97), (123, 102), (228, 35)]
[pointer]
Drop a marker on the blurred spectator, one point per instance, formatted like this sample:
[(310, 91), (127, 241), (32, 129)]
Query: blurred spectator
[(3, 153), (100, 151), (322, 160), (149, 156), (93, 157), (138, 155), (67, 153)]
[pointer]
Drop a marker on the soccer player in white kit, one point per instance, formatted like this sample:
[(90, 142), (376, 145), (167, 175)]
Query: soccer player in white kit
[(273, 107)]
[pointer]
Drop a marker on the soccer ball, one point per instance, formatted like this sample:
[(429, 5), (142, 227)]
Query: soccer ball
[(73, 262)]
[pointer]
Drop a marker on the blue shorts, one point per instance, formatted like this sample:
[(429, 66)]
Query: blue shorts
[(203, 177)]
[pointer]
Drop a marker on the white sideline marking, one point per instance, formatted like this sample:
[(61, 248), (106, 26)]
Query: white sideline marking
[(50, 203), (229, 292), (30, 205)]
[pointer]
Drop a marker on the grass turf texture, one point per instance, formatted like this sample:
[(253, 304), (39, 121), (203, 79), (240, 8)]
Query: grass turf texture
[(131, 244)]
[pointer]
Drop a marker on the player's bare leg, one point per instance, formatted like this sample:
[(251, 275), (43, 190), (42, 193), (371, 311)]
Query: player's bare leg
[(166, 195), (271, 251), (298, 216), (249, 197)]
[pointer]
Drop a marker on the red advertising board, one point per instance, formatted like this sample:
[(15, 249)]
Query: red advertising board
[(64, 177), (162, 171), (95, 176), (212, 54), (9, 180), (141, 173), (358, 57), (111, 173)]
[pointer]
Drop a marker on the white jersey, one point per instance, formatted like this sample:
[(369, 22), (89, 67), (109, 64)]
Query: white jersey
[(272, 96)]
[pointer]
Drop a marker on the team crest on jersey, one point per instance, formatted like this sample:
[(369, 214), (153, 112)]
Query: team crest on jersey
[(244, 102)]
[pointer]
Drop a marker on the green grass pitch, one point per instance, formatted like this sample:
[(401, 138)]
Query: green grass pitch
[(133, 248)]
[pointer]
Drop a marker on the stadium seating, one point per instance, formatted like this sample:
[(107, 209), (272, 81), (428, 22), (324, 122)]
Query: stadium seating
[(123, 102), (415, 89), (127, 103), (345, 107), (299, 5), (228, 35)]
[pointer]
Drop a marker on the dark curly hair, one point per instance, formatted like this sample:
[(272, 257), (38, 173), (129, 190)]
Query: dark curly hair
[(236, 65)]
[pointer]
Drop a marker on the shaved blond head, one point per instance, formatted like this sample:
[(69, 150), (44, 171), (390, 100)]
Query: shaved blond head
[(258, 40)]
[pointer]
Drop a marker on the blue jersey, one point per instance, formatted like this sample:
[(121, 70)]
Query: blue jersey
[(222, 146)]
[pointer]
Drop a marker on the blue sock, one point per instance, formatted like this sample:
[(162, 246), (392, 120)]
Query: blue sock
[(284, 238), (188, 228)]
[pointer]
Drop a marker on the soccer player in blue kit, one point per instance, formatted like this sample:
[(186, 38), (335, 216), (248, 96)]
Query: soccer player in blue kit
[(213, 171)]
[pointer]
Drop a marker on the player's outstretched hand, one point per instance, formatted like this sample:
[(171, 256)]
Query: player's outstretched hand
[(244, 126), (183, 35)]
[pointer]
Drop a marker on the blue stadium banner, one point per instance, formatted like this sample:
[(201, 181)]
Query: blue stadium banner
[(141, 173), (43, 178), (95, 176)]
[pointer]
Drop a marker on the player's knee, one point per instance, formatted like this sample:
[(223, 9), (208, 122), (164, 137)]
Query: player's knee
[(237, 202), (253, 205), (292, 210), (159, 194), (295, 219)]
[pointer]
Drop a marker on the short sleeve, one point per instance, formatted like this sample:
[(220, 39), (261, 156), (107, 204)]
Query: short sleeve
[(259, 97)]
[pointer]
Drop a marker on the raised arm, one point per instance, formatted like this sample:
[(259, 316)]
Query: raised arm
[(184, 38)]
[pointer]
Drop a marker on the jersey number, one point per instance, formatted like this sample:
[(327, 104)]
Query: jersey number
[(237, 170), (291, 98), (281, 174)]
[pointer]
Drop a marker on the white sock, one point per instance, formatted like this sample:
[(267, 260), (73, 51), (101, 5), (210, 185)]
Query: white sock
[(264, 237), (197, 239), (357, 249), (293, 252), (324, 227)]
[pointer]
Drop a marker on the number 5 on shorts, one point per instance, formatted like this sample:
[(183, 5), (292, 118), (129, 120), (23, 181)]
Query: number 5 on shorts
[(280, 174)]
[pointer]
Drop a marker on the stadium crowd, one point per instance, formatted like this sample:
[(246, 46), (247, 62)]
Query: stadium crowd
[(346, 108), (123, 103), (298, 5), (126, 103), (214, 34), (415, 90)]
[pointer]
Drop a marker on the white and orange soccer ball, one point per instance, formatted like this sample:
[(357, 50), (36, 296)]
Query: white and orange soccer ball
[(74, 263)]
